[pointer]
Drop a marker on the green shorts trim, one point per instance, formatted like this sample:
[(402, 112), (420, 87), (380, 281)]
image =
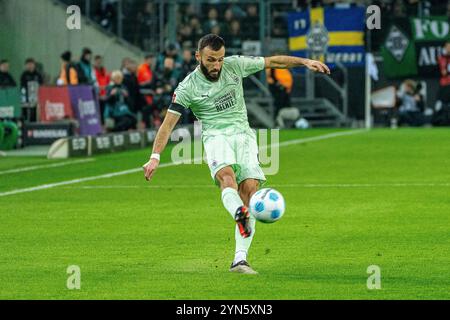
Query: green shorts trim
[(241, 176)]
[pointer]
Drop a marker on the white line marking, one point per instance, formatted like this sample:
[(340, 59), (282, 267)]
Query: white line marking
[(45, 166), (316, 138), (298, 185), (171, 164), (63, 183), (363, 185)]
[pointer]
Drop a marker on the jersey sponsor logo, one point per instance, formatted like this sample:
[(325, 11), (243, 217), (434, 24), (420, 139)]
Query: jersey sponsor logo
[(226, 101)]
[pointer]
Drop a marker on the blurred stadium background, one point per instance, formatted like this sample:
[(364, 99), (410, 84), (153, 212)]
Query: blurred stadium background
[(381, 77)]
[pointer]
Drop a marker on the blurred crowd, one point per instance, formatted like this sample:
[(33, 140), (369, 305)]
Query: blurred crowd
[(135, 95), (144, 20), (411, 108)]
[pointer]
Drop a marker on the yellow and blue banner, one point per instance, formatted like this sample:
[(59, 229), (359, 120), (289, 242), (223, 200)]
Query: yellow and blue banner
[(328, 34)]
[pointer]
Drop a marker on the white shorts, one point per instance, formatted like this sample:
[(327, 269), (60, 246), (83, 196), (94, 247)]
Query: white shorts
[(239, 151)]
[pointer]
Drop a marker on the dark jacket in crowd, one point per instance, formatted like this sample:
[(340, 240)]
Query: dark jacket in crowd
[(117, 108), (6, 80), (187, 67), (117, 103), (177, 70), (28, 76), (85, 72), (130, 82)]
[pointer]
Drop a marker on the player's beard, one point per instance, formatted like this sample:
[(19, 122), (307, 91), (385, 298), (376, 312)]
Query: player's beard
[(207, 74)]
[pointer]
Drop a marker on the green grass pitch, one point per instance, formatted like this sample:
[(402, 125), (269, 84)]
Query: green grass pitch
[(380, 197)]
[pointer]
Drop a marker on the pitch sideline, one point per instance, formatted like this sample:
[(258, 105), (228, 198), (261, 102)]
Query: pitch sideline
[(277, 185), (45, 166)]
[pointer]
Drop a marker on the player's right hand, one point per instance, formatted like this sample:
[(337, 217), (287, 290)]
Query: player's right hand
[(150, 168)]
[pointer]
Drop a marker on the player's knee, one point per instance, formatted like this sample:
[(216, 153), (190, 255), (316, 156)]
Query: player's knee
[(226, 179), (250, 187)]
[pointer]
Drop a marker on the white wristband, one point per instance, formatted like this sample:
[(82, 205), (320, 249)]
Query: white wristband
[(155, 156)]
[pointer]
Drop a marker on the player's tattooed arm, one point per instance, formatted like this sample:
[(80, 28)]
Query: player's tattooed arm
[(285, 62), (162, 137)]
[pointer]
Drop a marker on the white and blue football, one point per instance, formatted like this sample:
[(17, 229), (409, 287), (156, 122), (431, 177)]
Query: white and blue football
[(267, 205)]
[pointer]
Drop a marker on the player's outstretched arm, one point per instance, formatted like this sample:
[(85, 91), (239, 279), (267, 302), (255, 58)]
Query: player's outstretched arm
[(162, 137), (286, 62)]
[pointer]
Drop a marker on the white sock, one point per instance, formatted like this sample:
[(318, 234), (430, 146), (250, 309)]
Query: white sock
[(239, 256), (231, 200), (243, 244)]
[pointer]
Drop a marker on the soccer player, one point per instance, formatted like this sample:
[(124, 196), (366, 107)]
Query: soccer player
[(214, 93)]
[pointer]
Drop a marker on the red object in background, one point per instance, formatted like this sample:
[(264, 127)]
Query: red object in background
[(444, 68), (103, 79), (54, 104), (145, 77)]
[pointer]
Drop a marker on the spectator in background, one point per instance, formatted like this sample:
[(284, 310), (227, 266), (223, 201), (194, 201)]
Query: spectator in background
[(228, 17), (147, 27), (170, 52), (216, 30), (280, 85), (68, 74), (251, 23), (145, 77), (6, 80), (234, 38), (189, 13), (399, 9), (185, 36), (101, 74), (123, 66), (118, 116), (410, 111), (165, 86), (279, 28), (189, 63), (30, 77), (86, 74), (130, 81), (442, 107), (444, 68), (212, 20), (103, 80), (197, 31), (238, 12), (106, 14)]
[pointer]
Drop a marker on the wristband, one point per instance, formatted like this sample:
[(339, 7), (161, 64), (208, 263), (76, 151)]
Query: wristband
[(155, 156)]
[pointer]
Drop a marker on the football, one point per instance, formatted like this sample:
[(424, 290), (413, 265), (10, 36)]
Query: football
[(267, 205)]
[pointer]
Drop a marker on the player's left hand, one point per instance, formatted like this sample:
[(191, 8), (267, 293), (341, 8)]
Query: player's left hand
[(150, 168), (317, 66)]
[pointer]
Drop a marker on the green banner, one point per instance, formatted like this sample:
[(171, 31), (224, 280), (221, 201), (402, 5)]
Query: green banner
[(10, 106), (412, 46), (430, 29)]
